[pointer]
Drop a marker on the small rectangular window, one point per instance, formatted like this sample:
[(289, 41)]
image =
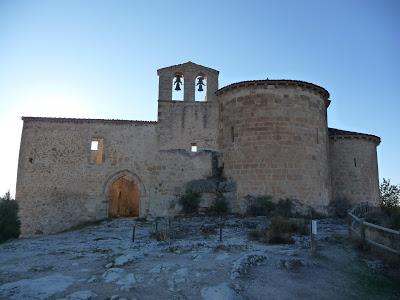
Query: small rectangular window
[(232, 134), (94, 146), (317, 135), (194, 148), (96, 149), (355, 162)]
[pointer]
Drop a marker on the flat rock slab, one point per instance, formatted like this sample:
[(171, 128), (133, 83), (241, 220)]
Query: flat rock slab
[(82, 295), (219, 292), (113, 274), (39, 288)]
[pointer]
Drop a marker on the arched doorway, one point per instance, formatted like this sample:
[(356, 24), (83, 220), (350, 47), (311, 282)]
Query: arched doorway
[(124, 197)]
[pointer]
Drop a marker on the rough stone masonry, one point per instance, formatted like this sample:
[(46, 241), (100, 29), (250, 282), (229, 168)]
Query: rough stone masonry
[(260, 137)]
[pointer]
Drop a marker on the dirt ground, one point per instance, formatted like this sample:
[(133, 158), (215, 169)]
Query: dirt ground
[(101, 262)]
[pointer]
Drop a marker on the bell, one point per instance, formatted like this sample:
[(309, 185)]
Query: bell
[(200, 83), (178, 82)]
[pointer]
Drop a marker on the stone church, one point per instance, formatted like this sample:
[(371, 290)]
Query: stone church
[(257, 137)]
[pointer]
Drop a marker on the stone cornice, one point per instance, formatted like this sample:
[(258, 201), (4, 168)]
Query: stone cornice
[(188, 64), (83, 120), (338, 134), (276, 82)]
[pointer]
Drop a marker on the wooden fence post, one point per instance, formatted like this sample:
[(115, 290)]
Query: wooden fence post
[(362, 233), (220, 229), (349, 222)]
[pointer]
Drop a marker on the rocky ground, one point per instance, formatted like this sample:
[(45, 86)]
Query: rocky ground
[(101, 262)]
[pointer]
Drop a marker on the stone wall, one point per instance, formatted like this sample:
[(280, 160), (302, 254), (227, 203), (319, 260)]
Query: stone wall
[(354, 168), (182, 123), (175, 169), (273, 135), (59, 185)]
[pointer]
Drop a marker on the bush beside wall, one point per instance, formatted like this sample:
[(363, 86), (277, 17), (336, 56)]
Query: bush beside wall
[(9, 222)]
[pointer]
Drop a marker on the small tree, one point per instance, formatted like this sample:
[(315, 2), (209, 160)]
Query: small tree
[(9, 222), (220, 206), (260, 206), (390, 194), (190, 202)]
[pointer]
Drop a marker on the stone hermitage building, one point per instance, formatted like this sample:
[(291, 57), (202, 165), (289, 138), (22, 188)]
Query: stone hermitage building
[(258, 137)]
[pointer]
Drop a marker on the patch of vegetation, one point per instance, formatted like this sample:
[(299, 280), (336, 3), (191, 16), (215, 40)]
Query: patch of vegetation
[(208, 229), (257, 235), (9, 222), (339, 207), (260, 206), (159, 235), (264, 206), (284, 208), (190, 202), (390, 204), (390, 194), (388, 217), (280, 231), (389, 213), (220, 206)]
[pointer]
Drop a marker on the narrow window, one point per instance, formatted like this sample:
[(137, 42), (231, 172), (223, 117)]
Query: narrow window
[(317, 137), (96, 149), (178, 87), (194, 148), (94, 146), (355, 162), (200, 88), (232, 134)]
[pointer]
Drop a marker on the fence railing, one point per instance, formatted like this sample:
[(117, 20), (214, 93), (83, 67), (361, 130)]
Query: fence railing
[(369, 233)]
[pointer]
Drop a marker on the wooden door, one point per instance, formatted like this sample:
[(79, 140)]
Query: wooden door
[(124, 198)]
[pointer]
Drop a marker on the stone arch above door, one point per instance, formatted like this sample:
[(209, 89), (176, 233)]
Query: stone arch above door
[(125, 194)]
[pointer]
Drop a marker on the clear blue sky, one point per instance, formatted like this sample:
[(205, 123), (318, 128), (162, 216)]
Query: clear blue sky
[(99, 59)]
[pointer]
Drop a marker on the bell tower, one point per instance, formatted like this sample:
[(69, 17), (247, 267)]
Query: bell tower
[(187, 76), (187, 124)]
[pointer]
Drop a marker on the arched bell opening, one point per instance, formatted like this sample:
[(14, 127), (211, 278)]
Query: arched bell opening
[(178, 86), (200, 88)]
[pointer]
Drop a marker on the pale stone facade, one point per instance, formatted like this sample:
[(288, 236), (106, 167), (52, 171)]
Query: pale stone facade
[(266, 137)]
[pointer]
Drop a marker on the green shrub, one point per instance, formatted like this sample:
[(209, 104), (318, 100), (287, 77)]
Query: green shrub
[(159, 235), (389, 194), (208, 229), (284, 208), (257, 235), (391, 217), (190, 202), (282, 229), (260, 206), (220, 205), (9, 222)]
